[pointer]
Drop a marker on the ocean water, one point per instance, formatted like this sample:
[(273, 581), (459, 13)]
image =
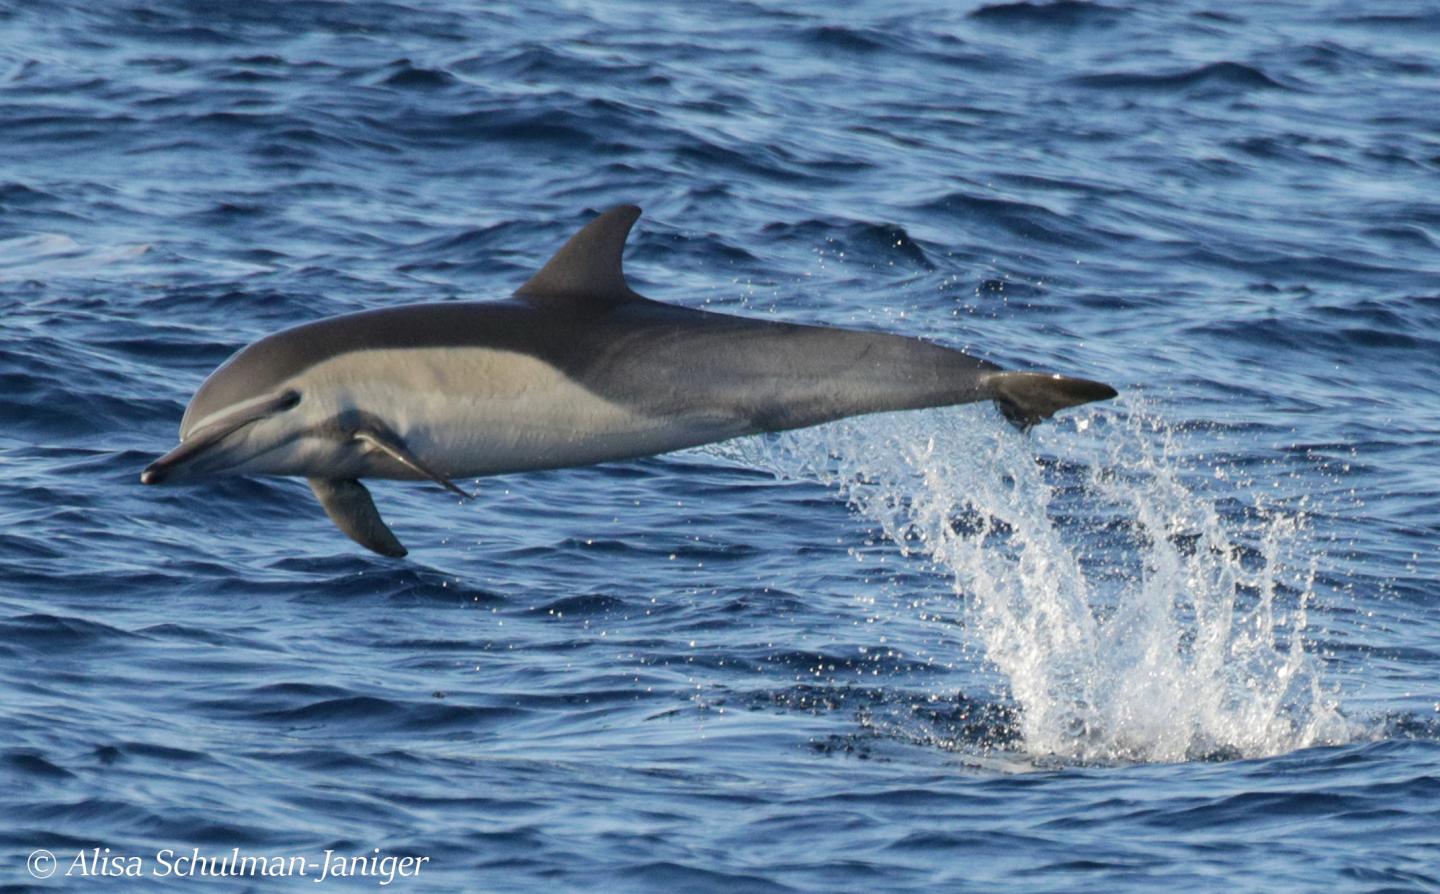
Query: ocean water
[(1186, 639)]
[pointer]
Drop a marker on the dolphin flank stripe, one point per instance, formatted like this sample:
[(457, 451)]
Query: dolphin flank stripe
[(574, 368)]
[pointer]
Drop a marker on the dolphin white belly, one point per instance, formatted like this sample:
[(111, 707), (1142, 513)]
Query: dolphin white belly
[(469, 412)]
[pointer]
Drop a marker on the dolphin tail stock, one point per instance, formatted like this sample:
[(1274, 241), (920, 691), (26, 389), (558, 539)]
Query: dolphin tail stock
[(350, 507), (1026, 398)]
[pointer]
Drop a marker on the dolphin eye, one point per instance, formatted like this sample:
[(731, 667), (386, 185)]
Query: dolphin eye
[(289, 400)]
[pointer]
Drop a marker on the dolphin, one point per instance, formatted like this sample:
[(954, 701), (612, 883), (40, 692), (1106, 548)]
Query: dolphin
[(574, 368)]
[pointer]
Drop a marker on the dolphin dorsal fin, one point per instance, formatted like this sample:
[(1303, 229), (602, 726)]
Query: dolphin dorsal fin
[(587, 269)]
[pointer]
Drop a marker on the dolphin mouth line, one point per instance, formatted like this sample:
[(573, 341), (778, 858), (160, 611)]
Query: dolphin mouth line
[(158, 471)]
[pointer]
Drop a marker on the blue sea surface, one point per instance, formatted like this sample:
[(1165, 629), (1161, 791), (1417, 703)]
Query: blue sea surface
[(1185, 640)]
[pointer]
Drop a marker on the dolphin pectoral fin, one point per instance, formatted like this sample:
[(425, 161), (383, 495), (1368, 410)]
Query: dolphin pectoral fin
[(391, 445), (1027, 398), (350, 507)]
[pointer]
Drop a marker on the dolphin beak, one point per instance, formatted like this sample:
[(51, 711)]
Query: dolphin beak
[(180, 464), (158, 471)]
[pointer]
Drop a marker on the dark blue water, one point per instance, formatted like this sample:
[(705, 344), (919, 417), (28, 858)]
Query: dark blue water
[(1183, 640)]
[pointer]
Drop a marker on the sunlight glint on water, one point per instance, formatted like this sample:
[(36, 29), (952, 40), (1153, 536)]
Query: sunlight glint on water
[(1131, 619)]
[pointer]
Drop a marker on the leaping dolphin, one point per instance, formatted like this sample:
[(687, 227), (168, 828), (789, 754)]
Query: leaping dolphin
[(574, 368)]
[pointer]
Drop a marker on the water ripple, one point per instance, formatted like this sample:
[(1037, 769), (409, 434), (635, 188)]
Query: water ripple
[(1184, 639)]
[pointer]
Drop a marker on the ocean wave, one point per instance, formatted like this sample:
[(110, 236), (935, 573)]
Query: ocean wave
[(1228, 77), (1052, 14), (1029, 221)]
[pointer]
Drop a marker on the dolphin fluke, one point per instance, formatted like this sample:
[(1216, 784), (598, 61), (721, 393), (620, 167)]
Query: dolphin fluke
[(1027, 397), (349, 506)]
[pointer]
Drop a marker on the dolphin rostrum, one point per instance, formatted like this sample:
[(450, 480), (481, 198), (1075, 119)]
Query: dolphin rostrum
[(574, 368)]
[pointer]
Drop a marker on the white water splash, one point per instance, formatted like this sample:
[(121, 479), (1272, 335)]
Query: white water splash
[(1132, 619)]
